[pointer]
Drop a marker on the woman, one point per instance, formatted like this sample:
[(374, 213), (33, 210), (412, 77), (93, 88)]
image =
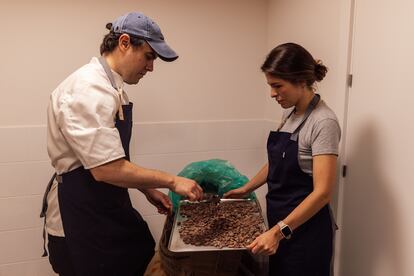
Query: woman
[(301, 168)]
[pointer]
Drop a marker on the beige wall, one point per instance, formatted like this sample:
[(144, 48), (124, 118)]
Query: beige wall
[(220, 44), (321, 27)]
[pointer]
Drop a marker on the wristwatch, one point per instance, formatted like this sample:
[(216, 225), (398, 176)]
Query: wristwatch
[(285, 230)]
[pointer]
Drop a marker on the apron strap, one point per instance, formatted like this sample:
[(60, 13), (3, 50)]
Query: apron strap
[(285, 120), (309, 109), (111, 78), (108, 71), (43, 212)]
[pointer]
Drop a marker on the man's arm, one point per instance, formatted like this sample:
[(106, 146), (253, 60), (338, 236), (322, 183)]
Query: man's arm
[(125, 174)]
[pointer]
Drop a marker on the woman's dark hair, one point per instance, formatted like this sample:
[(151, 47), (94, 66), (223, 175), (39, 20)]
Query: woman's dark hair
[(111, 40), (293, 63)]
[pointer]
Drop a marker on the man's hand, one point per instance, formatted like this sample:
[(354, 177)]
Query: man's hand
[(237, 193), (267, 243), (159, 200), (187, 187)]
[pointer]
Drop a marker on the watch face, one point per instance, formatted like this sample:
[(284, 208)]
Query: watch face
[(286, 231)]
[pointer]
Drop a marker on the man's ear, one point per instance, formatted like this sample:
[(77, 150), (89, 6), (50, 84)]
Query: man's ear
[(124, 42)]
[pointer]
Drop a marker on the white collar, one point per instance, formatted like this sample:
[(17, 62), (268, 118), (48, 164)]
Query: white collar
[(119, 82)]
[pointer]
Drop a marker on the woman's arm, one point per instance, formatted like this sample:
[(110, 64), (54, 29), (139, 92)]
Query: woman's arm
[(324, 174), (258, 180)]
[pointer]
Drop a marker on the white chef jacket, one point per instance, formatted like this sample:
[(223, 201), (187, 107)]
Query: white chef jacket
[(81, 127)]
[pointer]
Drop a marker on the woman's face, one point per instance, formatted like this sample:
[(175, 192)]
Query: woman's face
[(284, 92)]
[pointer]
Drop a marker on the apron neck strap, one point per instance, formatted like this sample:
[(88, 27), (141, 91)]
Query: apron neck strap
[(111, 78), (108, 71), (309, 109)]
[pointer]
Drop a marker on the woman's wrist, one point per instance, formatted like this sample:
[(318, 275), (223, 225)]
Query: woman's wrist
[(275, 230), (245, 189), (249, 187)]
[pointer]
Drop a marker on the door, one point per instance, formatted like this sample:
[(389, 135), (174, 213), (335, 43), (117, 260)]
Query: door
[(378, 193)]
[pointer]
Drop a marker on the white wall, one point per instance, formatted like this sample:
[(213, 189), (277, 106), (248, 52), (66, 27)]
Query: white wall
[(208, 104), (321, 27), (378, 191), (220, 44)]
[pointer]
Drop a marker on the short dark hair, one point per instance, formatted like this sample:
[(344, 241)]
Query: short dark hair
[(111, 40), (293, 63)]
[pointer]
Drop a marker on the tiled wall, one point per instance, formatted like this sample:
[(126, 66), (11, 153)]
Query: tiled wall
[(169, 146)]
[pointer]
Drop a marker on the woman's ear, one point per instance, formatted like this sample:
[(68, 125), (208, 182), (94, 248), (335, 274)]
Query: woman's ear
[(303, 84)]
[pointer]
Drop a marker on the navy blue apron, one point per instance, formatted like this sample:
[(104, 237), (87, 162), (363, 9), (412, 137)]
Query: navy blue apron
[(105, 235), (309, 251)]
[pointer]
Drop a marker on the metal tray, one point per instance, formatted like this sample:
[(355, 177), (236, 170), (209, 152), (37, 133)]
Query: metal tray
[(176, 244)]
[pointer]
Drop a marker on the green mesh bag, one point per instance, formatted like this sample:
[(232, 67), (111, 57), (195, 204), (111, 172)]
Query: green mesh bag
[(215, 176)]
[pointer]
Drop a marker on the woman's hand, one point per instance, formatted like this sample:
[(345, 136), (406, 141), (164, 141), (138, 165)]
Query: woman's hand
[(267, 243), (241, 192), (160, 200)]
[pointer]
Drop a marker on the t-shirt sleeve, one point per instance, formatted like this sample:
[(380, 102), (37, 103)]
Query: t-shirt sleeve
[(325, 137), (86, 119)]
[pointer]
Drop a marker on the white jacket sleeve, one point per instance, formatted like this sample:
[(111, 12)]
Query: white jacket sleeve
[(86, 119)]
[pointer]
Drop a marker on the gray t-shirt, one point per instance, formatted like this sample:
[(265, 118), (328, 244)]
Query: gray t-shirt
[(320, 134)]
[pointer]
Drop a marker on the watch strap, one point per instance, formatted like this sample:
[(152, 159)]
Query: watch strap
[(285, 230)]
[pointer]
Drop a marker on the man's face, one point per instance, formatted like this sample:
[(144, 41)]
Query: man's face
[(137, 62)]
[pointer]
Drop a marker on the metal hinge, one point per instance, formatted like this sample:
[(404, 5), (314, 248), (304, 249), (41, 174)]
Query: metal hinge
[(350, 77), (344, 167)]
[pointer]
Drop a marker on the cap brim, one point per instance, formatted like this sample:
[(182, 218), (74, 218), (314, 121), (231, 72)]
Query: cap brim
[(163, 50)]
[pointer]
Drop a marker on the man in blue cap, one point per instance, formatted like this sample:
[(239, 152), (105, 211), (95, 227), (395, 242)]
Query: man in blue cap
[(91, 225)]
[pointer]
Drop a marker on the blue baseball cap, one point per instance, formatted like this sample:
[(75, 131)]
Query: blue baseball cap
[(140, 25)]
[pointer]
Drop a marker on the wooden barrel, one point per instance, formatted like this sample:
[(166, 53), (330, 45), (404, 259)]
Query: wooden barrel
[(205, 263)]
